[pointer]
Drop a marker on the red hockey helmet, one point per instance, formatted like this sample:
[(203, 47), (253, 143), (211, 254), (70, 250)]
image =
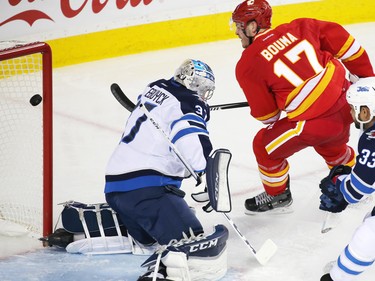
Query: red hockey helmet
[(258, 10)]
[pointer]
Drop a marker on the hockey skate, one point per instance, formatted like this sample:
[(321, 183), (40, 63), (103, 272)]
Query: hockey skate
[(60, 238), (263, 202)]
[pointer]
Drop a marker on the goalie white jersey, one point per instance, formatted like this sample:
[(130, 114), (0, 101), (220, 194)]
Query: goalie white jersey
[(143, 157)]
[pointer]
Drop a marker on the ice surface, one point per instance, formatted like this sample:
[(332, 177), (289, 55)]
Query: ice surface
[(88, 123)]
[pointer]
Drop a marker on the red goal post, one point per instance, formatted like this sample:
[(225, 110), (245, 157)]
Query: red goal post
[(26, 136)]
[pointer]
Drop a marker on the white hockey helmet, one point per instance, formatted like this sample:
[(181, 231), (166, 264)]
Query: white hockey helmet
[(362, 93), (196, 76)]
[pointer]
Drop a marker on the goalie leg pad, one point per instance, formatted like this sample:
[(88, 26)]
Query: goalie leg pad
[(74, 212), (177, 266), (98, 228), (101, 246), (208, 250), (209, 268), (197, 246)]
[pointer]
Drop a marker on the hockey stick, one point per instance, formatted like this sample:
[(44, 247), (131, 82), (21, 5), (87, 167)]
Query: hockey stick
[(121, 97), (268, 249), (228, 106), (129, 105)]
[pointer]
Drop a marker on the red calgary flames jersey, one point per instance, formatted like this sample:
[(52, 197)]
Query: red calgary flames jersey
[(299, 68)]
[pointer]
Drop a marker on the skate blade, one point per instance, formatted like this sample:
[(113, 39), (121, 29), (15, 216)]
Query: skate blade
[(277, 211)]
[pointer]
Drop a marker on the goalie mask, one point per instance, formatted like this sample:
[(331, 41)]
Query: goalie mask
[(196, 76), (362, 93), (253, 10)]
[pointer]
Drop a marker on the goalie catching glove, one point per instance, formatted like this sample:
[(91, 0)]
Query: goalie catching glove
[(216, 192)]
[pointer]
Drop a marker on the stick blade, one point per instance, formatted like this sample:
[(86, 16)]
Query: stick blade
[(266, 252), (121, 97)]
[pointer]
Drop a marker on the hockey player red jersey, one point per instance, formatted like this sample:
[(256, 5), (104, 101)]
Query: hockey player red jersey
[(299, 68)]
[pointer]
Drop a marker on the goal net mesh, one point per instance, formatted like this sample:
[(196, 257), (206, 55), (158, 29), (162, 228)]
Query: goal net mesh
[(21, 140)]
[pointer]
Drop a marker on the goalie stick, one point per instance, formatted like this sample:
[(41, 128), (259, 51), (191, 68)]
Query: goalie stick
[(268, 249), (129, 105)]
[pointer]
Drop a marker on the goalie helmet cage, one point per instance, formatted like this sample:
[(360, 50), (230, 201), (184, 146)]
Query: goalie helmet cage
[(26, 135)]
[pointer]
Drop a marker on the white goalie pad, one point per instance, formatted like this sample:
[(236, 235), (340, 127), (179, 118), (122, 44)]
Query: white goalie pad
[(101, 246), (98, 230), (208, 269), (194, 258), (195, 268), (109, 245), (217, 180), (177, 266)]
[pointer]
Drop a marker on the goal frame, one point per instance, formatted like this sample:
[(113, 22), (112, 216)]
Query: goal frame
[(45, 50)]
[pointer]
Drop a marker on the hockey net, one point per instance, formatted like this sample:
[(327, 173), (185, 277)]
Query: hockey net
[(25, 138)]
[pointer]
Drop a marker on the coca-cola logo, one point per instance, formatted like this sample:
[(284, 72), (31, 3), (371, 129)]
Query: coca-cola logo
[(32, 15)]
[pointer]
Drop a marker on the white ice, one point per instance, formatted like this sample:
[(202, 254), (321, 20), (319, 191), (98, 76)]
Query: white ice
[(88, 123)]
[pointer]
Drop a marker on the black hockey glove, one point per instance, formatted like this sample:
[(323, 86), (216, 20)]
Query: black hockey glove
[(325, 183), (332, 199), (333, 204)]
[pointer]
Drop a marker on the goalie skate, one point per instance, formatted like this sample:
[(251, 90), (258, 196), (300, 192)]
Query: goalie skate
[(265, 203), (60, 238)]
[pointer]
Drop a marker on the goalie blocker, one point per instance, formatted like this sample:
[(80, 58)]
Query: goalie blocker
[(217, 191), (217, 180)]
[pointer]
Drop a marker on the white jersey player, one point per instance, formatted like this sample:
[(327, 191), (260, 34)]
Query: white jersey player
[(144, 174), (350, 187)]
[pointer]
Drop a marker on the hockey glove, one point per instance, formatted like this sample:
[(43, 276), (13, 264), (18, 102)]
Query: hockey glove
[(332, 199), (334, 173), (202, 197), (333, 204)]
